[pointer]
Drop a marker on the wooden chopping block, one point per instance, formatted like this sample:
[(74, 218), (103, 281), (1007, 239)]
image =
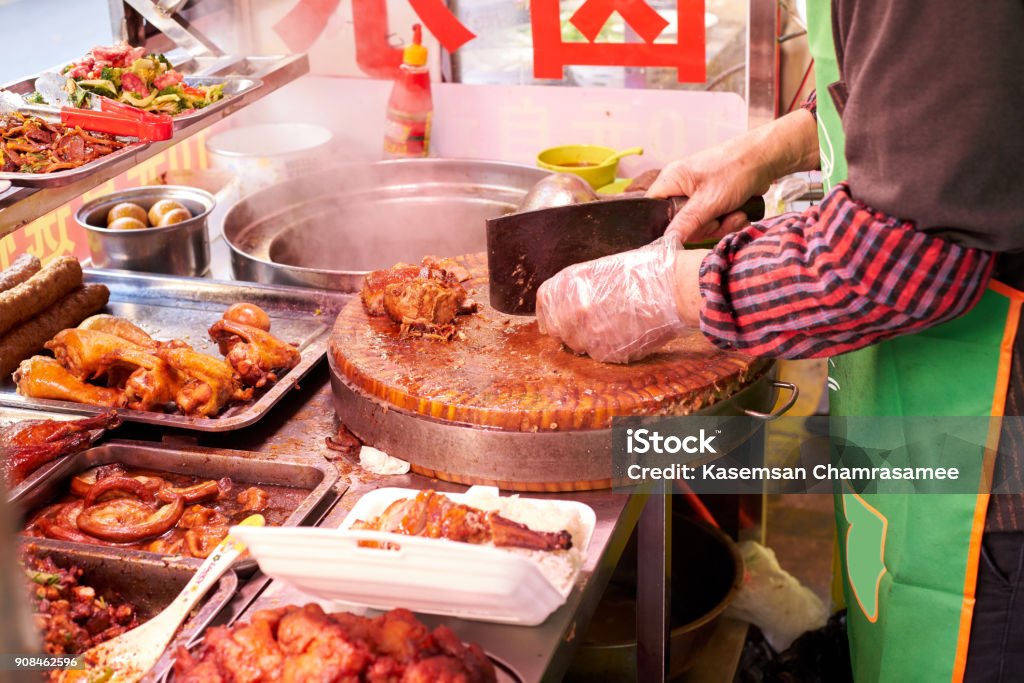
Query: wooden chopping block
[(501, 372)]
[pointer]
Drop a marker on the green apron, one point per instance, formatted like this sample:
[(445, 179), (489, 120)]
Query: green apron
[(909, 562)]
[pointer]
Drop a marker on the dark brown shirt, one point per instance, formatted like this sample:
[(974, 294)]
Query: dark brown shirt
[(934, 114)]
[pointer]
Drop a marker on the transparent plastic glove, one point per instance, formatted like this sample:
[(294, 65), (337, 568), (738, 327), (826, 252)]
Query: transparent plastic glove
[(616, 309)]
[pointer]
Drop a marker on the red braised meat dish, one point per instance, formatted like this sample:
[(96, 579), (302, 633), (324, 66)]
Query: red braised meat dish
[(161, 512), (305, 644), (29, 144), (28, 445), (435, 515), (71, 615)]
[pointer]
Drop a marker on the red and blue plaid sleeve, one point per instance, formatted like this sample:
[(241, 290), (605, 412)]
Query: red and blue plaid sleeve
[(833, 279)]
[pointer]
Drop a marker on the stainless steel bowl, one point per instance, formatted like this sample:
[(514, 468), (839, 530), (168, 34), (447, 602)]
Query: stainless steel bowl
[(180, 249)]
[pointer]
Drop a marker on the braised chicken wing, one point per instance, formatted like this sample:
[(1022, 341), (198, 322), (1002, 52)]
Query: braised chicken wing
[(119, 327), (86, 353), (30, 444), (209, 383), (256, 355), (44, 377), (152, 384)]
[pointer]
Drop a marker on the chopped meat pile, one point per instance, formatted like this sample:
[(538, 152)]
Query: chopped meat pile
[(423, 299), (305, 644), (29, 144), (72, 616)]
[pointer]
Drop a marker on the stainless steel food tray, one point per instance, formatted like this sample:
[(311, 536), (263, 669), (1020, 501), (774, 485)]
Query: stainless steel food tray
[(10, 416), (149, 583), (184, 308), (71, 175), (318, 477), (233, 86)]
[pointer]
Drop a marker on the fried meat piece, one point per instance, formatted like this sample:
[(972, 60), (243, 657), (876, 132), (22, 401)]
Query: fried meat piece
[(44, 377), (375, 283), (210, 383), (256, 355), (87, 354), (448, 264), (319, 649), (28, 445), (299, 644), (424, 302), (423, 299)]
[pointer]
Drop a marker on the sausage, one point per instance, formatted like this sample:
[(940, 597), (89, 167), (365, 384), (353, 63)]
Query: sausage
[(24, 267), (39, 292), (28, 338)]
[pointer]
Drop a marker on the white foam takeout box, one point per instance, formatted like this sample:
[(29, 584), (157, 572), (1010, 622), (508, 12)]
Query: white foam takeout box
[(426, 575)]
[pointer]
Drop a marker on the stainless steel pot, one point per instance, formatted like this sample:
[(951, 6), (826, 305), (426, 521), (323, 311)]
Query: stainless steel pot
[(328, 229), (707, 572), (179, 249)]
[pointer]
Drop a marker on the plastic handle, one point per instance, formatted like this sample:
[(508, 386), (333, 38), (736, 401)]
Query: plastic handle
[(219, 561), (624, 153), (148, 128)]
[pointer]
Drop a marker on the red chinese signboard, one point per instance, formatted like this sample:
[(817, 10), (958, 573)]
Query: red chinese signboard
[(551, 54)]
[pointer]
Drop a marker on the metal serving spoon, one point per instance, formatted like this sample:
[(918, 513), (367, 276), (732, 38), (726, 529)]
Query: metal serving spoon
[(131, 655)]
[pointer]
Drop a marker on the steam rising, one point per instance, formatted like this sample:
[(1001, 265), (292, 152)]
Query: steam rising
[(328, 228)]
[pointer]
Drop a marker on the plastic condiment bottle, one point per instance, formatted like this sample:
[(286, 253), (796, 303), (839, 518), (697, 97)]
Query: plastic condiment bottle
[(410, 107)]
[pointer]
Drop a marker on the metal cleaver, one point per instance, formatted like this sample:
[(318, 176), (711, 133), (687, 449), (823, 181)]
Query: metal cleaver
[(525, 249)]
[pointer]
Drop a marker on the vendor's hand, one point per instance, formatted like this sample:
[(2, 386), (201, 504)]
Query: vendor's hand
[(719, 180), (617, 309)]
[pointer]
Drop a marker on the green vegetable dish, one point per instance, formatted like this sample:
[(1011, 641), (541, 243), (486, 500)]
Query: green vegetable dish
[(146, 81)]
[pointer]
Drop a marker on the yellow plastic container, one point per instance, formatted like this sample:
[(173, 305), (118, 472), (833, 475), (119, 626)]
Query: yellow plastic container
[(595, 164)]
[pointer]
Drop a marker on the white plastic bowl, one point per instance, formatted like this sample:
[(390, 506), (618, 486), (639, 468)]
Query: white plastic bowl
[(264, 154)]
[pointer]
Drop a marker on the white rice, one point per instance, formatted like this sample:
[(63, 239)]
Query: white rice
[(560, 567)]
